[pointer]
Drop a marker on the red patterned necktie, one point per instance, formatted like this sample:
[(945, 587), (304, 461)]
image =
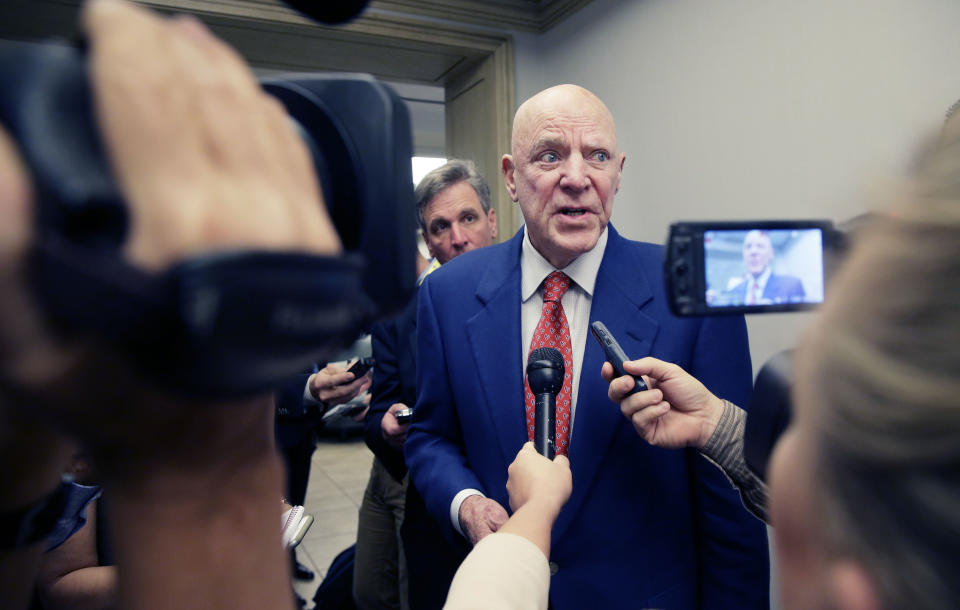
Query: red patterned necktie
[(554, 331)]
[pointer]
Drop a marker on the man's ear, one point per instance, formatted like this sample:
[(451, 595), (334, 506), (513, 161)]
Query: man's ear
[(492, 219), (623, 159), (851, 588), (427, 242), (506, 164)]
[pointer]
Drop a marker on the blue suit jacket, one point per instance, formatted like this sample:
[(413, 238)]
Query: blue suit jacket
[(645, 527), (778, 289)]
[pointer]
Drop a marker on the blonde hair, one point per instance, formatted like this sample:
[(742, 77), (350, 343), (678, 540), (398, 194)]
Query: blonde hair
[(883, 364)]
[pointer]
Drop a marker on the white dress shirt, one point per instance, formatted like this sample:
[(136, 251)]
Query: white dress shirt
[(761, 285), (534, 268)]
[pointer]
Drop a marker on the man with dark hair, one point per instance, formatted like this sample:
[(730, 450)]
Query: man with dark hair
[(455, 216)]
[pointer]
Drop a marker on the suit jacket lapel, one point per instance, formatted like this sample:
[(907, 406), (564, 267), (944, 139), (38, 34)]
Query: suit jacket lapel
[(617, 299), (494, 335)]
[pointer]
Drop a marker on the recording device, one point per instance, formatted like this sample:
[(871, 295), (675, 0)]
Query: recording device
[(747, 267), (346, 409), (361, 366), (717, 268), (228, 323), (545, 371), (403, 416), (615, 355)]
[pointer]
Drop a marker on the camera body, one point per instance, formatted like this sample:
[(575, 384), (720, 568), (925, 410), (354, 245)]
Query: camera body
[(226, 323), (739, 267), (753, 266)]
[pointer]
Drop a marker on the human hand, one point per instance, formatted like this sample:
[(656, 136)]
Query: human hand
[(534, 478), (359, 417), (480, 517), (333, 385), (217, 165), (169, 98), (677, 411), (393, 431)]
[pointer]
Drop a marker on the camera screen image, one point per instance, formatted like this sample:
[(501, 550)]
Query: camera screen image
[(756, 267)]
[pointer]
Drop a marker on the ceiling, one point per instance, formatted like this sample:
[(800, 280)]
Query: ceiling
[(420, 41), (410, 43)]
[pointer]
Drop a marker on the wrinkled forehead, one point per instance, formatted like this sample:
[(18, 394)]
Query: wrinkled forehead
[(562, 112)]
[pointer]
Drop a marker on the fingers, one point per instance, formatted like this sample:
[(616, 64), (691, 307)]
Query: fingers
[(397, 406), (205, 158), (644, 419), (346, 391), (606, 371), (652, 367), (635, 402), (619, 387)]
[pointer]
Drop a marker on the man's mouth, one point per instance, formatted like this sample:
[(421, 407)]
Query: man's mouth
[(573, 211)]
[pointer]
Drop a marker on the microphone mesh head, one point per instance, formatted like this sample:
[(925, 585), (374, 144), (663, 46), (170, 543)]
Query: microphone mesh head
[(550, 354), (545, 370)]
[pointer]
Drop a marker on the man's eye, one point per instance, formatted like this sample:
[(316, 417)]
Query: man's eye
[(549, 157), (438, 228), (601, 155), (469, 218)]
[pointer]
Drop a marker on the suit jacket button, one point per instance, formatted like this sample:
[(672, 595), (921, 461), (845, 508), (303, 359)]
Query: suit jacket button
[(554, 568)]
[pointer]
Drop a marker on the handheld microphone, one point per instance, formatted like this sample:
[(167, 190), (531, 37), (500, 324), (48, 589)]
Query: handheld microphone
[(545, 373)]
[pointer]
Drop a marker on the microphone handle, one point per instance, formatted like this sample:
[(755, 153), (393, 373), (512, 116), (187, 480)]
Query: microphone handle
[(545, 424)]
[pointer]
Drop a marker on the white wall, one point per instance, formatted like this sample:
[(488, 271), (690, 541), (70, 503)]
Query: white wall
[(755, 108)]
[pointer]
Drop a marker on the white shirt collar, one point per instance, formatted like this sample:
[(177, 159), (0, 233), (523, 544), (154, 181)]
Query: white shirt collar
[(534, 268), (762, 280)]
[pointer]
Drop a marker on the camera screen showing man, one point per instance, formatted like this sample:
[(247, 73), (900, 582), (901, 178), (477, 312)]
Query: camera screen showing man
[(757, 267)]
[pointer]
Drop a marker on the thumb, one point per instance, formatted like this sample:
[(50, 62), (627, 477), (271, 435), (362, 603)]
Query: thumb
[(651, 367)]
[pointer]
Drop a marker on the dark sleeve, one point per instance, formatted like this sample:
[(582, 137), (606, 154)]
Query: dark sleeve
[(725, 449), (294, 419), (435, 450), (289, 396), (385, 391), (733, 559)]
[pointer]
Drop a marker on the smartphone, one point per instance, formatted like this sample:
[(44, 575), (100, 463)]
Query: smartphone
[(615, 355), (403, 415), (361, 366)]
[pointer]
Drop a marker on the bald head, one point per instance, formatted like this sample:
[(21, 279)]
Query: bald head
[(564, 170), (561, 100)]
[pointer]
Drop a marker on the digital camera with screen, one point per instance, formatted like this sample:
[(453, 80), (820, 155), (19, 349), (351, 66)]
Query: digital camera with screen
[(747, 267)]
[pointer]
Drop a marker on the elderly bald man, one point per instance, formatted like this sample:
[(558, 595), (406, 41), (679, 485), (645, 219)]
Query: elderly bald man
[(645, 527)]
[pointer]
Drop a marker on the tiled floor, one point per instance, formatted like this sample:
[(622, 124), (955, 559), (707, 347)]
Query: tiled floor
[(338, 476)]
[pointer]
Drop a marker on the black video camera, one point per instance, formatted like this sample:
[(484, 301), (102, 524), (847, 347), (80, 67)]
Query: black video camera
[(748, 267), (229, 323), (718, 268)]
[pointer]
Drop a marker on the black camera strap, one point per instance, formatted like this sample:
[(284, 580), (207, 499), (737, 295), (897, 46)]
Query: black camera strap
[(218, 325)]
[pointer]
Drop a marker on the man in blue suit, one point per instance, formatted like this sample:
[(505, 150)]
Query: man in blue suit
[(760, 284), (645, 527)]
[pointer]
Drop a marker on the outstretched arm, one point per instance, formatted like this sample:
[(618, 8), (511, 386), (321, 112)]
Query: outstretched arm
[(679, 411)]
